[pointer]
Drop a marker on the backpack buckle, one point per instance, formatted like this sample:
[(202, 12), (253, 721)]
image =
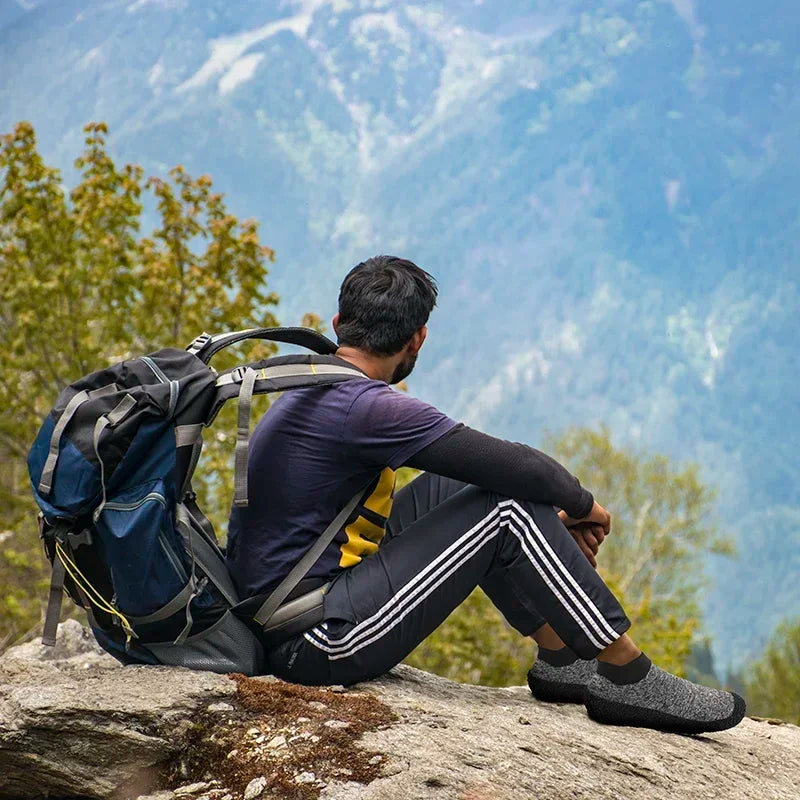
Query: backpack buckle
[(75, 540), (237, 374), (199, 343), (54, 532)]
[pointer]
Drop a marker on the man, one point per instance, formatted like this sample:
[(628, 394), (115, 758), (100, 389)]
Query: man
[(481, 514)]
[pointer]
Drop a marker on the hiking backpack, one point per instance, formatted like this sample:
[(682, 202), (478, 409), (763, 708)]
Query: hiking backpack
[(111, 471)]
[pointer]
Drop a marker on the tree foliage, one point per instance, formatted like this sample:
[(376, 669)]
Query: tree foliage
[(773, 682), (652, 561), (81, 287), (662, 530)]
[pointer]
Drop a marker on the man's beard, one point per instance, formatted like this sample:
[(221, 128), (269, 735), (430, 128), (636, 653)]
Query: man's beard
[(403, 369)]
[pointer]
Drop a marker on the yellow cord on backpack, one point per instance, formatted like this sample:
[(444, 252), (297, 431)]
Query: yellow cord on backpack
[(89, 590)]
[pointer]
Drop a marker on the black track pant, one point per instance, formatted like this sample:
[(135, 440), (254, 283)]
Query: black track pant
[(443, 539)]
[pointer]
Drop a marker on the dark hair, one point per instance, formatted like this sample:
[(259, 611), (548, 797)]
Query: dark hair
[(382, 302)]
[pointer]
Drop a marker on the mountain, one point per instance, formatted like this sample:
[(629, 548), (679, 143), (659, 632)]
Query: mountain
[(605, 191)]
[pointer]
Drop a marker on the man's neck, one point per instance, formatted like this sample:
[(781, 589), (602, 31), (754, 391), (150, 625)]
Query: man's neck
[(377, 368)]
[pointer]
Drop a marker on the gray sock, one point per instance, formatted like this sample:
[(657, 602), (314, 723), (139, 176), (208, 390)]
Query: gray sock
[(662, 701)]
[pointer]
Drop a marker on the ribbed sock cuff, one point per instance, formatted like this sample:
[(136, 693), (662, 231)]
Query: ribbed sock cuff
[(632, 672), (557, 658)]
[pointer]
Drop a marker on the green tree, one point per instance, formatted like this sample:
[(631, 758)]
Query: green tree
[(773, 682), (652, 560), (661, 532), (81, 287)]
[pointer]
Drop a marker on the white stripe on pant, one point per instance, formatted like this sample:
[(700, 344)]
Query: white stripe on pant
[(443, 539), (535, 547)]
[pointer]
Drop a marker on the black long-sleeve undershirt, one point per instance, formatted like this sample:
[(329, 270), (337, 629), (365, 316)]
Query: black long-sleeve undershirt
[(509, 468)]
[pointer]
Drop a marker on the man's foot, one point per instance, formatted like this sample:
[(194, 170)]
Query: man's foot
[(642, 695), (559, 676)]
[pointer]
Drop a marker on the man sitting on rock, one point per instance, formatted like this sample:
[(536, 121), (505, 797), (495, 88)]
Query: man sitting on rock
[(481, 514)]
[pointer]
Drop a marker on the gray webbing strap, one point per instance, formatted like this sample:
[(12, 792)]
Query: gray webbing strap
[(77, 400), (197, 448), (54, 603), (121, 409), (273, 602), (202, 522), (213, 565), (175, 605), (182, 520), (291, 371), (243, 439), (46, 482), (114, 417), (196, 589), (211, 560), (187, 434), (99, 426)]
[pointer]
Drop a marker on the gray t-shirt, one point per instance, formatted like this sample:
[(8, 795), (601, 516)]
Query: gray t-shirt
[(309, 454)]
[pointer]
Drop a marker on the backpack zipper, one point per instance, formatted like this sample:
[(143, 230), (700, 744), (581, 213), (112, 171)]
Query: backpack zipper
[(133, 506), (162, 378), (155, 369)]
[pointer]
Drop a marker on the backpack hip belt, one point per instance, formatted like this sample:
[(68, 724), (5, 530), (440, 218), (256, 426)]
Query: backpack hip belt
[(295, 617)]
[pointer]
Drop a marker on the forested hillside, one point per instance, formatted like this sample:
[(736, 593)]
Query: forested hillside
[(607, 192)]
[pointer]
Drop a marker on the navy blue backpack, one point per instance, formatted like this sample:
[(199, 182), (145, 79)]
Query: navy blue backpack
[(111, 471)]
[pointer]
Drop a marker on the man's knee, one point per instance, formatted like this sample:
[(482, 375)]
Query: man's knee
[(541, 513)]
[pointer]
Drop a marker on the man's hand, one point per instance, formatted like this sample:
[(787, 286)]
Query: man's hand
[(590, 531), (589, 538), (597, 516)]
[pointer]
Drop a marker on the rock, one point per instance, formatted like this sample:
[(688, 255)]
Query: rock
[(317, 705), (70, 730), (276, 741), (74, 645), (190, 789), (73, 723), (336, 724), (305, 777), (219, 708), (254, 788), (485, 752)]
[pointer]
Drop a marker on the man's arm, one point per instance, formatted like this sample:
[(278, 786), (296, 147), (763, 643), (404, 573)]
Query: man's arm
[(510, 468)]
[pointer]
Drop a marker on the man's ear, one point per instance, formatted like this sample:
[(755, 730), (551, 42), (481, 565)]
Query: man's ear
[(417, 340), (335, 323)]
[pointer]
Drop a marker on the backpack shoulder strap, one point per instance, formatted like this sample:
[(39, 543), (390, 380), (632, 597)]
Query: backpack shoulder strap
[(278, 373), (310, 557)]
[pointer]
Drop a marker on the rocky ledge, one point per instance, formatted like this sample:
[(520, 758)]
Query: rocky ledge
[(73, 723)]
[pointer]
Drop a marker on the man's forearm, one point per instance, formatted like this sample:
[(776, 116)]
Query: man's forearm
[(510, 468)]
